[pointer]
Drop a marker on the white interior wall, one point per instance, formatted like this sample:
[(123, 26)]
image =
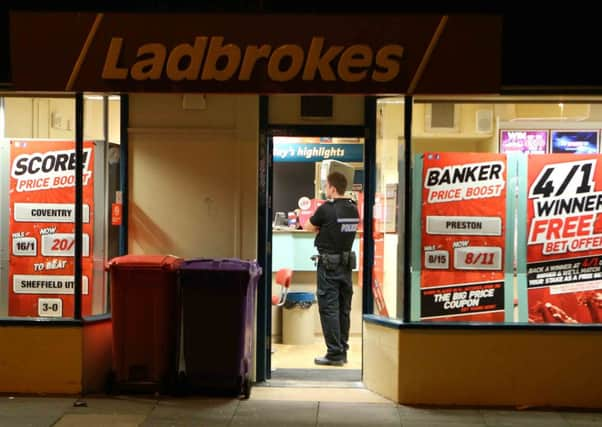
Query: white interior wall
[(61, 112), (18, 117), (93, 122), (43, 118), (193, 176), (115, 121), (466, 138), (390, 134)]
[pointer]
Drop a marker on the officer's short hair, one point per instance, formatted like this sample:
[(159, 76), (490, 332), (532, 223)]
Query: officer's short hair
[(338, 181)]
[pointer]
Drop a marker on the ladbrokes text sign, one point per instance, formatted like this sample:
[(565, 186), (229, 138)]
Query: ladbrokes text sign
[(282, 63), (255, 53)]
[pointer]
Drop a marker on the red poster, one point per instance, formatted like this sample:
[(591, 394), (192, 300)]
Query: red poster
[(42, 228), (116, 214), (378, 274), (564, 243), (307, 207), (463, 237)]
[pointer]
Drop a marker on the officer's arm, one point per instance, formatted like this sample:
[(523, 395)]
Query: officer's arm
[(310, 227)]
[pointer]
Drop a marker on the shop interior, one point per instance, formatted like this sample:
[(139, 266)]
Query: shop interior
[(300, 167), (36, 133), (529, 125)]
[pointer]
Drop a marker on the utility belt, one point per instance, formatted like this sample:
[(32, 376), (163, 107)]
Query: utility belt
[(332, 261)]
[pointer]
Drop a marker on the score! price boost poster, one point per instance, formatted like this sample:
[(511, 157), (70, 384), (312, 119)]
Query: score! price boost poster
[(42, 228), (463, 237), (564, 244)]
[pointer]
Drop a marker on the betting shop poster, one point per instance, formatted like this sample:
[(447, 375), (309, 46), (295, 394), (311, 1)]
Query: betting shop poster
[(463, 237), (564, 244), (42, 228)]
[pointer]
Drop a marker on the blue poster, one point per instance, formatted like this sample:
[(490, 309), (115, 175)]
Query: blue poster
[(286, 152), (574, 141)]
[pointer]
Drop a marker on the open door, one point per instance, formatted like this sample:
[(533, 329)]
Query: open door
[(296, 167)]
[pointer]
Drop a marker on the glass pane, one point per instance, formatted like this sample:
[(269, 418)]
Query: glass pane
[(114, 119), (387, 273), (37, 215), (114, 177), (508, 208), (101, 197)]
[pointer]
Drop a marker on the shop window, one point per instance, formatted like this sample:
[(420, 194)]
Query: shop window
[(510, 228), (37, 190)]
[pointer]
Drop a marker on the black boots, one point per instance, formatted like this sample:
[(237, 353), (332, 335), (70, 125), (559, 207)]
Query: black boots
[(325, 360)]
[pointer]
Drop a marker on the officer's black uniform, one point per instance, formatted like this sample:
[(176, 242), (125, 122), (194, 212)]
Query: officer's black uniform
[(338, 220)]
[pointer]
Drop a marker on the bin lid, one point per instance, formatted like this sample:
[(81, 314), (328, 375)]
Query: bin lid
[(164, 262), (300, 297), (221, 264)]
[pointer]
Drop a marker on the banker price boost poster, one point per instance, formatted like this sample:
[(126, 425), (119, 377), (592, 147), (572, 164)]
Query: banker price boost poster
[(564, 245), (42, 228), (463, 237)]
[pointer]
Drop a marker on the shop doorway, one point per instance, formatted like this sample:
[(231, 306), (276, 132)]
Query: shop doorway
[(299, 164)]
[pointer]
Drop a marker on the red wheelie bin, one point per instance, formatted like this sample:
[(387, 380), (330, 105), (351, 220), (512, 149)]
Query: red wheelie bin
[(218, 307), (144, 310)]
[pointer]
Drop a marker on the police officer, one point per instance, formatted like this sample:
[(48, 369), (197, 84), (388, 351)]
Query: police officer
[(336, 223)]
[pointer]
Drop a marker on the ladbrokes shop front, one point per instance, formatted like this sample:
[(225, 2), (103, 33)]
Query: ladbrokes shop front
[(210, 135)]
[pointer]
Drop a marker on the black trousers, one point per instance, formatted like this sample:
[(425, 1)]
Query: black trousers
[(335, 290)]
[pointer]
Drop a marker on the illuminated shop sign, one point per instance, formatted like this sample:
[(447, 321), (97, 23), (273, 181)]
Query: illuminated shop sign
[(284, 63), (242, 53), (285, 152)]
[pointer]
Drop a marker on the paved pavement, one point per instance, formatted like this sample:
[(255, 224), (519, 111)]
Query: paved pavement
[(329, 409)]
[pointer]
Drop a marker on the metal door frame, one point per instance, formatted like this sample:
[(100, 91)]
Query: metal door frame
[(265, 214)]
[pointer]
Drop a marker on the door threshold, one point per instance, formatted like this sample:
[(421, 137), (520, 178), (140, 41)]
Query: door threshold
[(318, 378), (310, 384)]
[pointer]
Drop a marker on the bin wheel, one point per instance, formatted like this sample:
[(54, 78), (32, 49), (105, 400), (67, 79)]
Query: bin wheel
[(246, 388)]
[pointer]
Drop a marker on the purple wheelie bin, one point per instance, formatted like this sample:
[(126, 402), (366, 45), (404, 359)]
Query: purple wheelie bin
[(217, 302)]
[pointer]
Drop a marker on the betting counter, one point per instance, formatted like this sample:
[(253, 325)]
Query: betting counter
[(293, 249)]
